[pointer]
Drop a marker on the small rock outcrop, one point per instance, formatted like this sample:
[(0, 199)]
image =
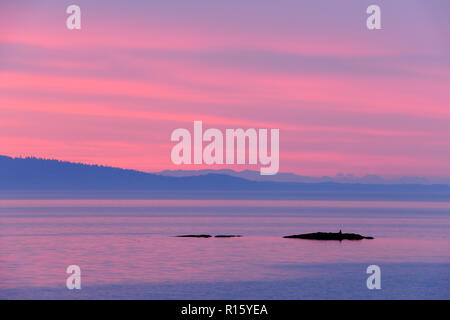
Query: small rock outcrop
[(208, 236), (328, 236), (195, 236), (228, 236)]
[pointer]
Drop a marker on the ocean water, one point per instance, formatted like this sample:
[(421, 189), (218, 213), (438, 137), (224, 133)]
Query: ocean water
[(127, 249)]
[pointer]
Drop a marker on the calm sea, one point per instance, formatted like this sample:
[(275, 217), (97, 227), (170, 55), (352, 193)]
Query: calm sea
[(126, 249)]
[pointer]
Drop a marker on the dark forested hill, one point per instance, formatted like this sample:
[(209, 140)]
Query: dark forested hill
[(41, 175)]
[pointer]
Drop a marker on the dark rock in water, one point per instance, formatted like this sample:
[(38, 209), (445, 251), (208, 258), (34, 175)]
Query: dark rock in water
[(328, 236), (195, 236), (208, 236), (228, 236)]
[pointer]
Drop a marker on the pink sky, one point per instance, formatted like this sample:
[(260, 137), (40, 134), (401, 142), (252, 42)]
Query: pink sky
[(346, 99)]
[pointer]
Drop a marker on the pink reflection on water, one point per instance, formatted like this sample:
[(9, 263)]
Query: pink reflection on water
[(118, 259), (36, 250)]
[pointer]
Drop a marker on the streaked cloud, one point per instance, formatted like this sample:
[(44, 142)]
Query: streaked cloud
[(345, 99)]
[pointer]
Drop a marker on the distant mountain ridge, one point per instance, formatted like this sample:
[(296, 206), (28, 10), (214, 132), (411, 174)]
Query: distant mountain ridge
[(292, 177), (22, 178)]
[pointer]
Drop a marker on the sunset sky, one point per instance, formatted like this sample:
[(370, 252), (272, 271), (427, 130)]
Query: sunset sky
[(346, 99)]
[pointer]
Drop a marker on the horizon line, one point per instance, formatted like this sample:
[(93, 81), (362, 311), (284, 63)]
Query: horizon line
[(161, 171)]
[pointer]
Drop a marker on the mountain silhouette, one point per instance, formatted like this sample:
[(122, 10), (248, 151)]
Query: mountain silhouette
[(42, 175), (291, 177)]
